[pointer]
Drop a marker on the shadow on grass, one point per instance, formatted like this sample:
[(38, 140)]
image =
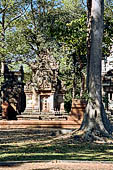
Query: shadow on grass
[(18, 135), (39, 144), (57, 151)]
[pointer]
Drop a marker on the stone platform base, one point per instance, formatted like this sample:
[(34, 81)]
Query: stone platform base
[(5, 124)]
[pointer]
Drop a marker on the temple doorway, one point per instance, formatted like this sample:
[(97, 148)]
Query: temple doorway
[(44, 103)]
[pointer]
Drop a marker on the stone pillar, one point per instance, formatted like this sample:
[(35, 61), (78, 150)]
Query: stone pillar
[(28, 108), (62, 107), (51, 101), (35, 107), (38, 102)]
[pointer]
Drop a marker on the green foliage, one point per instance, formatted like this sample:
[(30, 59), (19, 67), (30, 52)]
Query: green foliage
[(10, 11), (73, 62), (68, 100), (108, 32), (56, 27), (31, 27)]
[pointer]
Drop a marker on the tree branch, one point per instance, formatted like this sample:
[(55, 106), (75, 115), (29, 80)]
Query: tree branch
[(107, 6), (33, 15), (16, 17), (2, 10), (84, 3)]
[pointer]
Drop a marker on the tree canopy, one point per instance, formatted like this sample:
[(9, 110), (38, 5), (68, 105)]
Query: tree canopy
[(28, 28)]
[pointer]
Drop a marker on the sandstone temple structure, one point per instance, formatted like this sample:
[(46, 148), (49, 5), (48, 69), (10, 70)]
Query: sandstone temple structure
[(12, 92), (107, 82), (43, 96), (46, 92)]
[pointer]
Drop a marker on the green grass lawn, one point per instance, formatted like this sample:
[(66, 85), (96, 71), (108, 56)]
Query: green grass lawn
[(24, 146)]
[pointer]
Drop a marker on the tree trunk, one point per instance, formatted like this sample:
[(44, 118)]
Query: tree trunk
[(89, 5), (94, 118)]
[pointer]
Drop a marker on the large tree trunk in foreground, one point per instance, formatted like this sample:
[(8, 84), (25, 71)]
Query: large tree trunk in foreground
[(95, 118)]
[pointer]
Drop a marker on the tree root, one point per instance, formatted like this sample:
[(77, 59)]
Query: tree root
[(92, 136)]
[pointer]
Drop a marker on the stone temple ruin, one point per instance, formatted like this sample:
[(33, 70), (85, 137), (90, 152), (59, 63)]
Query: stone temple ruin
[(12, 92), (43, 97), (107, 85), (46, 92)]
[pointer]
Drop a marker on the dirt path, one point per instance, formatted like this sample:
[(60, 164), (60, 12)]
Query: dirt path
[(59, 166)]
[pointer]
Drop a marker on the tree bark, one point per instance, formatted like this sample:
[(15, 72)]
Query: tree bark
[(95, 118), (89, 6)]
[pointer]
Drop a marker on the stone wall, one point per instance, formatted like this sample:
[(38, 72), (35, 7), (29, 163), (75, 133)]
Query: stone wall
[(12, 91)]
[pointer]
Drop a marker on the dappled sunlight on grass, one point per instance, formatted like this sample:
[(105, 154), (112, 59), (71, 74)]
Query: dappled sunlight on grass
[(62, 149), (58, 151)]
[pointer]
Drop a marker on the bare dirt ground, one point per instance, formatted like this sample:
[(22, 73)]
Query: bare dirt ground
[(59, 166)]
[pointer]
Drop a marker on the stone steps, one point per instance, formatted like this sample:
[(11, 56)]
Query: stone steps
[(43, 116), (20, 124)]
